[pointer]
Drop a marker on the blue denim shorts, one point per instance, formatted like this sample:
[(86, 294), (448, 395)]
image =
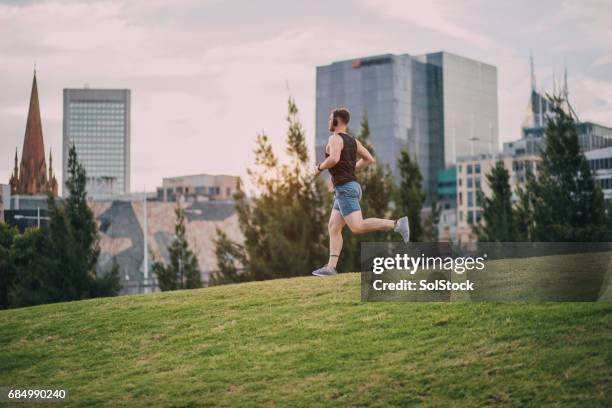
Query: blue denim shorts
[(347, 198)]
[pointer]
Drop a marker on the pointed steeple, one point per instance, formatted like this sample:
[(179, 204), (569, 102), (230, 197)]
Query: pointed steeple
[(32, 177), (533, 79), (16, 168), (565, 88), (52, 181)]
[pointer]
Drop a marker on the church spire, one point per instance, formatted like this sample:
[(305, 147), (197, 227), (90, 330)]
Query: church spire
[(32, 177), (533, 78)]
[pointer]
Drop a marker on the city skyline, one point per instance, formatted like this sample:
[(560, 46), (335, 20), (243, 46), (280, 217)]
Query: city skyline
[(195, 76)]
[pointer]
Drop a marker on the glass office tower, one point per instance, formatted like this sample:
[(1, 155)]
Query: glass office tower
[(438, 106), (97, 121)]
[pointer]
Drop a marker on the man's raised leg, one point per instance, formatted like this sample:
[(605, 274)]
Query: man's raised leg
[(358, 225)]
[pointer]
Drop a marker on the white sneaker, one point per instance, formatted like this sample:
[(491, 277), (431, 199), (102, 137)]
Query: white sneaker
[(325, 271), (402, 226)]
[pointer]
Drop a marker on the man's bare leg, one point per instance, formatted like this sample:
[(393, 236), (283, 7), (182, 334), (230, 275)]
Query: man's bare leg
[(335, 226), (358, 225)]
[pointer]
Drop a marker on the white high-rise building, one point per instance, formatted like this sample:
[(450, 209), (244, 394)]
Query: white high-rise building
[(97, 121)]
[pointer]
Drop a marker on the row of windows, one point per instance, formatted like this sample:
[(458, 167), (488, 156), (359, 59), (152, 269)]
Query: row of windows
[(601, 164), (210, 190), (472, 197), (97, 105), (472, 217), (95, 124), (471, 182), (605, 184), (471, 168)]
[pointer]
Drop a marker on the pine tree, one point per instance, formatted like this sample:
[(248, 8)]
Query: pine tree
[(498, 215), (430, 226), (230, 261), (60, 265), (378, 188), (410, 196), (566, 203), (8, 236), (33, 265), (183, 271), (284, 224)]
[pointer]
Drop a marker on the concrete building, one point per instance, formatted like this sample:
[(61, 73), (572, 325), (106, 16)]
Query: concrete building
[(5, 199), (600, 161), (439, 106), (135, 235), (199, 187), (447, 200), (472, 185), (97, 122)]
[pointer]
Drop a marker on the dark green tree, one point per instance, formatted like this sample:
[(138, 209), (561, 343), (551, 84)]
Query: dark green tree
[(8, 236), (565, 201), (231, 261), (410, 195), (61, 263), (32, 264), (378, 189), (109, 283), (430, 225), (498, 215), (284, 224), (183, 271)]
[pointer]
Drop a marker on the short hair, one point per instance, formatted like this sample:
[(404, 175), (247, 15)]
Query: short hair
[(343, 114)]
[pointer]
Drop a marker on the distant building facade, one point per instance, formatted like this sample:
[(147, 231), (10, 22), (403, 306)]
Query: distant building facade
[(5, 199), (135, 235), (472, 185), (98, 123), (199, 187), (447, 200), (439, 106), (600, 161)]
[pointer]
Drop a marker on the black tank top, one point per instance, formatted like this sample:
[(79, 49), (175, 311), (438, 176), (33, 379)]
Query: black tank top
[(344, 171)]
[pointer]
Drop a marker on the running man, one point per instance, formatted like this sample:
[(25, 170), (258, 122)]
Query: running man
[(343, 155)]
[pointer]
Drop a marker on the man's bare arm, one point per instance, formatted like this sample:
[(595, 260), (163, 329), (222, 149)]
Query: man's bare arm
[(335, 148), (365, 157)]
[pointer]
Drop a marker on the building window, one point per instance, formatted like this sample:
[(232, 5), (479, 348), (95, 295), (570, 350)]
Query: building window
[(470, 202), (470, 182), (477, 183), (470, 219), (477, 168), (469, 169), (460, 198)]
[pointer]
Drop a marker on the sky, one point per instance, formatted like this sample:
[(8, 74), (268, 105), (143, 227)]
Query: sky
[(207, 76)]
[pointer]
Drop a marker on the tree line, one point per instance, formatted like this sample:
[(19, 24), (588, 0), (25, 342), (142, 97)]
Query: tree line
[(285, 223), (561, 202), (59, 263)]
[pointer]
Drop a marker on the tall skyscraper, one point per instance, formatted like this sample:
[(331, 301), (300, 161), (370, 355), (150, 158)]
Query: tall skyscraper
[(97, 122), (439, 106)]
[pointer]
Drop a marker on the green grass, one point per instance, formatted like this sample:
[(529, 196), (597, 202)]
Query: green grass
[(309, 342)]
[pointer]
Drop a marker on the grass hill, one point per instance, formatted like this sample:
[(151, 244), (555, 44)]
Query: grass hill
[(309, 342)]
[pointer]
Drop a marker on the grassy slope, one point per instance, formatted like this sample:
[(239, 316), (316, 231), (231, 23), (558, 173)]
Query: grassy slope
[(305, 342)]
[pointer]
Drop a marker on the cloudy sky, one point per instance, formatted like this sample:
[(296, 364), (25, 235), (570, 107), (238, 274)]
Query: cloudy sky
[(207, 76)]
